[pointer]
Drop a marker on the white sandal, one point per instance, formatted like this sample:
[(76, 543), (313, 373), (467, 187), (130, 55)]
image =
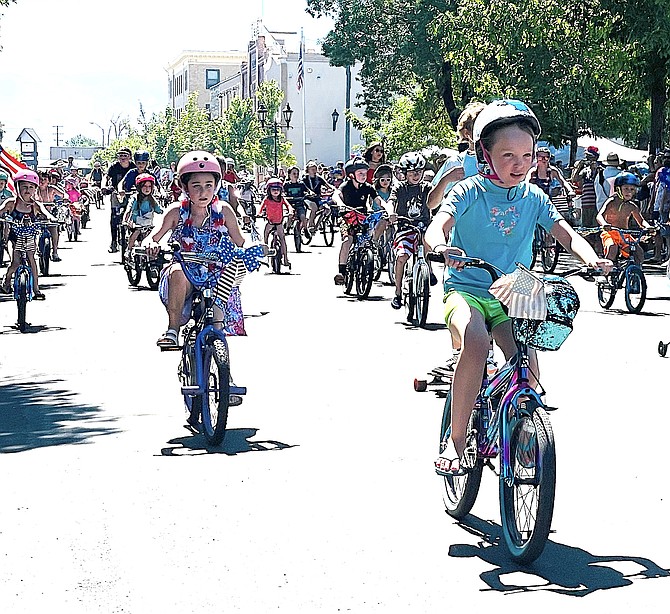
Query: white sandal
[(168, 339)]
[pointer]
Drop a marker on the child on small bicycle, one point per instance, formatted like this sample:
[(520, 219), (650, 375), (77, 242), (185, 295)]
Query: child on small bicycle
[(617, 211), (25, 209), (141, 209), (492, 216), (296, 192), (409, 199), (354, 193), (199, 222), (275, 207)]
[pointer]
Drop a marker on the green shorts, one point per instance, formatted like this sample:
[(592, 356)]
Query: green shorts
[(490, 308)]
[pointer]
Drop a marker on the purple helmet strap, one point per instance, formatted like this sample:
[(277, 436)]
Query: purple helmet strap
[(492, 173)]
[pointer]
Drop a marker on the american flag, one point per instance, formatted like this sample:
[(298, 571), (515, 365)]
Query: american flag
[(301, 67), (11, 164), (523, 294)]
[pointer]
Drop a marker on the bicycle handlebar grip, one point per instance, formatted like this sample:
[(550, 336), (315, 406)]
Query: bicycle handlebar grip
[(435, 257)]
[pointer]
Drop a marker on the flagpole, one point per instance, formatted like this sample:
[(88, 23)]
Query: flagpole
[(304, 131)]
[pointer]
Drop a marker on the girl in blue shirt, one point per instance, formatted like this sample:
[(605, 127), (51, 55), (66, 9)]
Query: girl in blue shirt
[(492, 216), (142, 208)]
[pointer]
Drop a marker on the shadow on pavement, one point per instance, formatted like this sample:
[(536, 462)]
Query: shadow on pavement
[(235, 442), (560, 569), (33, 415)]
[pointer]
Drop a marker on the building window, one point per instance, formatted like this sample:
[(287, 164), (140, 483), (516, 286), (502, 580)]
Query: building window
[(212, 77), (186, 80)]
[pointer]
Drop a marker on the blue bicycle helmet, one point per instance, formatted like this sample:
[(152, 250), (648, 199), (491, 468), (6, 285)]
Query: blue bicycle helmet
[(141, 156), (626, 179)]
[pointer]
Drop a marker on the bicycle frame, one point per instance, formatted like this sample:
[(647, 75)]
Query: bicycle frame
[(512, 382)]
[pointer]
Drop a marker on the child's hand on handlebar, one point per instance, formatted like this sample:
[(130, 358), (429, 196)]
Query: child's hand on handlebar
[(447, 252)]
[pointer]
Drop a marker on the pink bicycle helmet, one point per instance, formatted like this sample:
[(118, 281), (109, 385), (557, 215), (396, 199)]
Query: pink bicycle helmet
[(144, 177), (25, 174), (198, 162)]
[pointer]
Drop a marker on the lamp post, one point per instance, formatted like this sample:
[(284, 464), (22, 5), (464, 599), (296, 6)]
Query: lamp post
[(287, 114), (101, 130), (335, 115)]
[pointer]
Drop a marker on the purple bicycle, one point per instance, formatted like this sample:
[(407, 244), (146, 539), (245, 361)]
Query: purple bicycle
[(510, 421)]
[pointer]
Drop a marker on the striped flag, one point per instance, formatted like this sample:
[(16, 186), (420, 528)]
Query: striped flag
[(523, 294), (11, 164), (301, 66)]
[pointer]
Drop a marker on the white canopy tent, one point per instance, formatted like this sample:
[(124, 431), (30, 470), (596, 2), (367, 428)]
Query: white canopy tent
[(605, 146)]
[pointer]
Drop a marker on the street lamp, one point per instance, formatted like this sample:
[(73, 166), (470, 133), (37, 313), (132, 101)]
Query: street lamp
[(101, 130), (287, 114), (335, 115)]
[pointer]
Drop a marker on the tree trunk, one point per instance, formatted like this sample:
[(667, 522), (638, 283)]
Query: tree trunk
[(446, 90), (658, 93)]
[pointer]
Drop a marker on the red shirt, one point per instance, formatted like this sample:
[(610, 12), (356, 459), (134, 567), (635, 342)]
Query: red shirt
[(274, 209)]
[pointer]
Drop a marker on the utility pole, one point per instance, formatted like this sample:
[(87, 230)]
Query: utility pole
[(58, 135)]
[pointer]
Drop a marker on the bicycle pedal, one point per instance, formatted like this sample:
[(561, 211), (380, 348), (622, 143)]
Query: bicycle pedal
[(172, 348), (234, 400), (191, 391), (550, 408)]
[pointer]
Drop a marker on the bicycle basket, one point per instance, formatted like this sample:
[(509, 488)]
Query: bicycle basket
[(562, 307)]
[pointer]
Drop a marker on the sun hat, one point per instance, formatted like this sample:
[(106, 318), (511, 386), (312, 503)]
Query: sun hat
[(612, 159)]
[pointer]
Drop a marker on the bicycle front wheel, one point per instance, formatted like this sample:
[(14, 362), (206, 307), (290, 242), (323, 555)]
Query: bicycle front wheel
[(422, 290), (278, 255), (549, 252), (607, 291), (215, 401), (134, 273), (527, 497), (45, 256), (364, 274), (460, 491), (153, 273), (22, 300), (328, 230), (297, 239), (636, 289)]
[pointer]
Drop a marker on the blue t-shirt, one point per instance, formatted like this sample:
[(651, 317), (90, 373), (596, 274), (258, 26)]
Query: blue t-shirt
[(495, 224), (465, 159)]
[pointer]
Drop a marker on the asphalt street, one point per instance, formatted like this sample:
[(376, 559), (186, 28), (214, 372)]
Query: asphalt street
[(322, 497)]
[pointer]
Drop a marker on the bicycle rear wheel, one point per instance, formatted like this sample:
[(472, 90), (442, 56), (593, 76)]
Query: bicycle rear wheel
[(22, 284), (364, 274), (635, 291), (527, 498), (422, 293), (460, 491), (214, 408)]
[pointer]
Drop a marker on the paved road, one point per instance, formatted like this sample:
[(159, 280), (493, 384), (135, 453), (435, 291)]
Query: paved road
[(322, 498)]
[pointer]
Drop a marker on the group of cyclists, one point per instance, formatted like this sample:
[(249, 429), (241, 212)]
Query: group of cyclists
[(58, 198), (485, 201)]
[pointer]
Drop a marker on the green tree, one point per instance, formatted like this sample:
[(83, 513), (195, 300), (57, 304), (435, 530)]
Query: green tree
[(81, 141), (405, 127), (240, 133)]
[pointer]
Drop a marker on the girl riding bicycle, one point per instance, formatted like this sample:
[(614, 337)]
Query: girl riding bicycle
[(24, 208), (199, 221), (142, 207), (492, 216), (275, 207)]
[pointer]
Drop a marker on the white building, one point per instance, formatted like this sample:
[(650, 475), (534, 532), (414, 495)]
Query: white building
[(274, 56)]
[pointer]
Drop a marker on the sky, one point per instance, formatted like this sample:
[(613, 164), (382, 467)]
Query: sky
[(71, 62)]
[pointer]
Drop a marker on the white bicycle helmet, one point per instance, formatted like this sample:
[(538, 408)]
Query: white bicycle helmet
[(497, 114), (412, 161)]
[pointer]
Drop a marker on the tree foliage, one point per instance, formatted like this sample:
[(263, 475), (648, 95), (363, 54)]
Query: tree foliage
[(600, 67), (81, 141), (237, 133)]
